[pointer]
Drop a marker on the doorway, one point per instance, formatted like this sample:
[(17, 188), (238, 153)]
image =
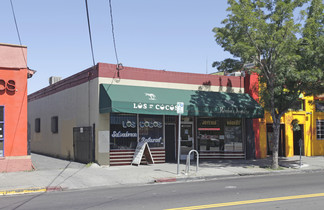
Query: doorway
[(299, 139), (187, 139), (170, 142)]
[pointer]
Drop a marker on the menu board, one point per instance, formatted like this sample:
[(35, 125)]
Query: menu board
[(142, 149)]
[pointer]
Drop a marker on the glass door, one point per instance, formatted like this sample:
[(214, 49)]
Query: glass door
[(187, 140)]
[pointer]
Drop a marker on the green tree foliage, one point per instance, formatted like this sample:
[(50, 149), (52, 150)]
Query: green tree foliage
[(287, 51)]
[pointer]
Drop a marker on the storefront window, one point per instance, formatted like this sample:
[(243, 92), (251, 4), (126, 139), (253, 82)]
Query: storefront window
[(151, 130), (123, 131), (233, 135), (210, 134), (216, 134)]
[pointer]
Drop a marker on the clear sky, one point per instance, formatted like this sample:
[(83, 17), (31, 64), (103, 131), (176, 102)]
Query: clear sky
[(173, 35)]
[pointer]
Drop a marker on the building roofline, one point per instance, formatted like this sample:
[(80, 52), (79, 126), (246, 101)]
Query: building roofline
[(13, 45), (106, 70)]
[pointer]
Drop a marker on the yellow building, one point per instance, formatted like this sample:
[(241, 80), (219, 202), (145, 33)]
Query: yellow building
[(310, 120)]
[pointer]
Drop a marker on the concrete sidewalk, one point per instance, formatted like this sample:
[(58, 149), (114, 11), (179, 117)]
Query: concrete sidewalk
[(53, 174)]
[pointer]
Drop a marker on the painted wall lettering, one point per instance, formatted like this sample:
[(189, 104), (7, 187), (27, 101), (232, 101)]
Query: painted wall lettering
[(9, 85)]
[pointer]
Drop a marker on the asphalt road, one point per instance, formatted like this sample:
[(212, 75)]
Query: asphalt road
[(255, 192)]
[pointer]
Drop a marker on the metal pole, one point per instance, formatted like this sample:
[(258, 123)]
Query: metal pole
[(300, 153), (179, 145)]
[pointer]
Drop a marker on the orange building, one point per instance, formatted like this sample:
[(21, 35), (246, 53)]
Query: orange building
[(13, 108)]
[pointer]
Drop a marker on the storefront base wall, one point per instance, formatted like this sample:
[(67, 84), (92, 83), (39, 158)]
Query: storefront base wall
[(125, 157), (13, 164)]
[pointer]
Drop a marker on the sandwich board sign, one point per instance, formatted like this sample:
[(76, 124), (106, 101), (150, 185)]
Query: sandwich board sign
[(142, 149)]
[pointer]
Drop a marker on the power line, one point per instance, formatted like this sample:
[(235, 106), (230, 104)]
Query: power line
[(113, 31), (17, 29), (119, 65), (93, 59)]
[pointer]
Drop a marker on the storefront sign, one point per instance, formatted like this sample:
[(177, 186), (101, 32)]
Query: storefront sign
[(233, 110), (119, 134), (150, 140), (150, 124), (155, 107), (208, 122), (9, 85), (129, 124), (233, 122)]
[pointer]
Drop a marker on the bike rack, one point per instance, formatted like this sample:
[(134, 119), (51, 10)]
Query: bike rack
[(188, 161)]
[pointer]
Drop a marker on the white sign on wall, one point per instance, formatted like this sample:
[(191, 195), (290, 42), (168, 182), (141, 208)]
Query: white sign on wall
[(103, 142)]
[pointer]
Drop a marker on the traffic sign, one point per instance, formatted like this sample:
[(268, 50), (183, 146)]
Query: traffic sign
[(180, 107)]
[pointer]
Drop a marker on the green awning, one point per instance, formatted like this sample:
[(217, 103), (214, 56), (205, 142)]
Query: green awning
[(163, 101)]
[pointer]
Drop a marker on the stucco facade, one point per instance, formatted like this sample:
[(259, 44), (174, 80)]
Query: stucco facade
[(13, 108)]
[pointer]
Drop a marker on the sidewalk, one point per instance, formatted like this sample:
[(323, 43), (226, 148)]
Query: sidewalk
[(54, 174)]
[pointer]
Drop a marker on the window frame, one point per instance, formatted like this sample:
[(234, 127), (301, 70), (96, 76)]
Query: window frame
[(320, 129), (37, 125)]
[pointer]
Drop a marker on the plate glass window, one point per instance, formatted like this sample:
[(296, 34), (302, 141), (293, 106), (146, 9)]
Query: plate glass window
[(123, 131), (221, 135), (151, 130)]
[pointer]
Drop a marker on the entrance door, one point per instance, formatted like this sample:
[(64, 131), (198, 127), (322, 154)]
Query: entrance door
[(187, 140), (170, 141), (299, 135)]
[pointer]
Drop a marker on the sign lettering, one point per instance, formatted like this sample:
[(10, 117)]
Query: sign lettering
[(9, 85), (155, 106), (119, 134)]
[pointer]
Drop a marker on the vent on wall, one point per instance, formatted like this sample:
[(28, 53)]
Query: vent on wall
[(53, 80)]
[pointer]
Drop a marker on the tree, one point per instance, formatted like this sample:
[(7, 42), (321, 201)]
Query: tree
[(287, 52)]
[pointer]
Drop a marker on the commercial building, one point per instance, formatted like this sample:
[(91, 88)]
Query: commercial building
[(101, 113), (13, 108), (301, 130)]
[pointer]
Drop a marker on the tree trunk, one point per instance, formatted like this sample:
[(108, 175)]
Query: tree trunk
[(275, 148)]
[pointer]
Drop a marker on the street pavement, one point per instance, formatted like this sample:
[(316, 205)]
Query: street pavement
[(53, 174)]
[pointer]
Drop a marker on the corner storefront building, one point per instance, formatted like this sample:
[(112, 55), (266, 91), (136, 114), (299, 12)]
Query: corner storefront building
[(13, 108), (102, 113)]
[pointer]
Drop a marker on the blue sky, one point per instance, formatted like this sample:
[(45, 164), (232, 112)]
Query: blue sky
[(174, 35)]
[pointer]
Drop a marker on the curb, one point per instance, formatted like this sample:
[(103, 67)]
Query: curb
[(195, 178), (30, 190)]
